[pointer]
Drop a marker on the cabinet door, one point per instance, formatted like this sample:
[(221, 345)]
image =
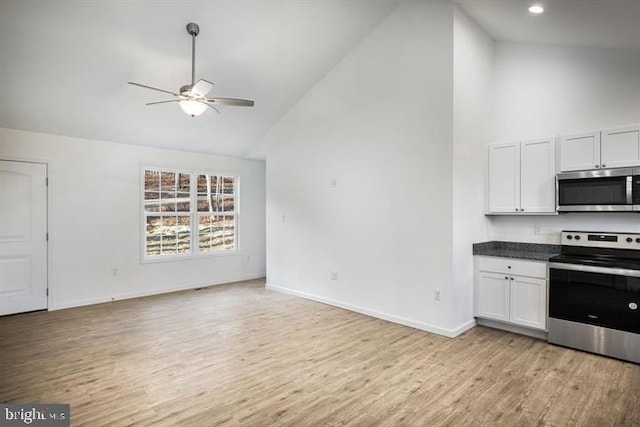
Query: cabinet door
[(537, 176), (620, 147), (580, 152), (492, 296), (528, 302), (504, 178)]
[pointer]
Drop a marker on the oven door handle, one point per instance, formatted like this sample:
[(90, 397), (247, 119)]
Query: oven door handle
[(593, 269)]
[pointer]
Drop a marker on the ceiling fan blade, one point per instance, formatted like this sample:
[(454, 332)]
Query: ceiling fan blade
[(209, 105), (231, 101), (201, 88), (154, 88), (162, 102)]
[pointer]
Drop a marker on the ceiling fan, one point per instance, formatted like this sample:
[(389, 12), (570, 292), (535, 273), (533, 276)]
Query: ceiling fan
[(193, 98)]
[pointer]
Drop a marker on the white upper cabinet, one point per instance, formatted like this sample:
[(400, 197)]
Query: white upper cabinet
[(620, 147), (611, 148), (522, 177), (504, 178), (537, 176), (580, 151)]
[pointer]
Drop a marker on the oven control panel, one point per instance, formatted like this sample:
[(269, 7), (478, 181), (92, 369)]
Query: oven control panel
[(601, 239)]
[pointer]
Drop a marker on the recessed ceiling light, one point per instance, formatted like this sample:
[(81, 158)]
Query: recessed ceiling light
[(536, 8)]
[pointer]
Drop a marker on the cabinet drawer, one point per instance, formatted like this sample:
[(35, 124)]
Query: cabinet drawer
[(512, 266)]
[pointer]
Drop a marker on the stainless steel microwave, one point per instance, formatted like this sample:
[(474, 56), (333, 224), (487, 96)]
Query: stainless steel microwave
[(605, 190)]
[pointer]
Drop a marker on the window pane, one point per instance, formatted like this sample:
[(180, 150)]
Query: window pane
[(151, 207), (184, 182), (151, 195), (204, 233), (229, 233), (183, 202), (152, 180), (153, 235), (168, 235), (216, 233), (228, 185), (208, 204), (228, 204), (203, 204), (207, 183), (168, 181), (184, 243)]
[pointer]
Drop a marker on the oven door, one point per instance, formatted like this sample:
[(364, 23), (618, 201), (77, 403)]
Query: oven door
[(602, 190), (599, 296)]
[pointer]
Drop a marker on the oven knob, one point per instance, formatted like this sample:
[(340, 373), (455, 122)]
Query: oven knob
[(629, 240), (577, 237), (638, 240), (633, 306), (569, 237)]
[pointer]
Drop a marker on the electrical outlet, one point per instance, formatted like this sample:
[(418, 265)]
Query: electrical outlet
[(436, 295), (334, 183), (284, 218), (536, 229), (334, 275), (115, 271)]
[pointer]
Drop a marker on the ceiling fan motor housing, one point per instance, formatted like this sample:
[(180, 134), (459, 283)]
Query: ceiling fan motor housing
[(193, 29)]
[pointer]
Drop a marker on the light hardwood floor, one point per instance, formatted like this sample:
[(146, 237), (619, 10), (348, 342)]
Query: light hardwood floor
[(242, 355)]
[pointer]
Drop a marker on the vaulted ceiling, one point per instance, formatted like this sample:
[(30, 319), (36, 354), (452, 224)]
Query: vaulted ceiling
[(64, 64)]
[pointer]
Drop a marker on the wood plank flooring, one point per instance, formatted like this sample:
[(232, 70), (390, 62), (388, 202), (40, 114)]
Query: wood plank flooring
[(238, 354)]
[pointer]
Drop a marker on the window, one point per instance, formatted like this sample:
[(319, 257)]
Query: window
[(188, 213)]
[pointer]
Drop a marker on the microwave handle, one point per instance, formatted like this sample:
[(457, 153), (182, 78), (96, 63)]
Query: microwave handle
[(629, 190)]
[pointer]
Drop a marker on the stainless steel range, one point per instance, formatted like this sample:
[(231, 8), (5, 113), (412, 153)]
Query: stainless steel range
[(594, 294)]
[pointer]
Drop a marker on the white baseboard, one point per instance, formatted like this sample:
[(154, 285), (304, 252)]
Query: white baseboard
[(450, 333), (118, 297)]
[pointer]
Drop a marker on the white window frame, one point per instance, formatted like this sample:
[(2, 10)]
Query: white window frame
[(192, 213)]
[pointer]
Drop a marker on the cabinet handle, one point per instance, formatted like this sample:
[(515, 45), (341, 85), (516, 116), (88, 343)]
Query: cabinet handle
[(604, 166), (517, 209), (510, 278), (508, 266), (522, 210), (506, 277), (597, 166)]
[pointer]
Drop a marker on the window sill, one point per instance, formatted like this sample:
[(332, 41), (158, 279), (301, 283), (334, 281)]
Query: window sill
[(173, 258)]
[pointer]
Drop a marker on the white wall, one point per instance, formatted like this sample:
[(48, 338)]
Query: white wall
[(543, 90), (472, 95), (380, 124), (95, 218)]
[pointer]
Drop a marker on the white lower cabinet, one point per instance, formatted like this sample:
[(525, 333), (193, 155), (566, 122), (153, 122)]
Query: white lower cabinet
[(512, 291), (492, 296)]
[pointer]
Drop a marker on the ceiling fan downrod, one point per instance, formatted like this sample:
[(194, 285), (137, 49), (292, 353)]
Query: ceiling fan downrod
[(194, 30)]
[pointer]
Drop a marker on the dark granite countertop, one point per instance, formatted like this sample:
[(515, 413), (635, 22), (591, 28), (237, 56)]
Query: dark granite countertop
[(533, 251)]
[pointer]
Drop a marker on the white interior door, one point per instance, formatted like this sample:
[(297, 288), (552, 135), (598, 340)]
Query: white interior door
[(23, 237)]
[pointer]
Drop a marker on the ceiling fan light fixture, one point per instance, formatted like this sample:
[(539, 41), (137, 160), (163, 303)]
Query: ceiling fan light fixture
[(192, 108), (536, 9)]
